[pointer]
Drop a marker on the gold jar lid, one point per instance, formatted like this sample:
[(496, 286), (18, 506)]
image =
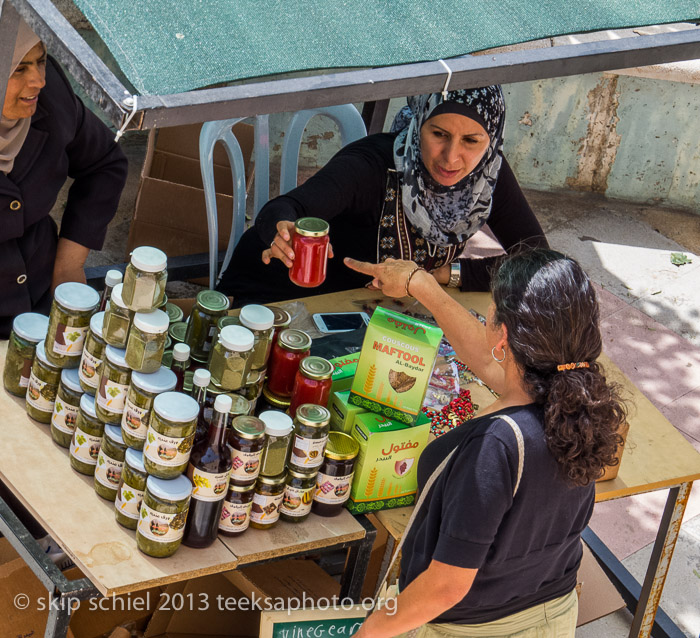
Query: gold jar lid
[(280, 479), (241, 488), (311, 227), (282, 317), (313, 415), (248, 427), (240, 406), (281, 403), (341, 447), (294, 340), (316, 368), (300, 475)]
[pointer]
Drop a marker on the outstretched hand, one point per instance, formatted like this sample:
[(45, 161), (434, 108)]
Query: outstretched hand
[(281, 246), (390, 276)]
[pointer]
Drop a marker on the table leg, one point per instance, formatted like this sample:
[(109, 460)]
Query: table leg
[(357, 563), (660, 560)]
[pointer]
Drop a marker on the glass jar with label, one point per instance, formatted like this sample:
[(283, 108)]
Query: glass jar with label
[(235, 516), (110, 462), (281, 322), (259, 320), (312, 383), (246, 439), (116, 320), (113, 387), (146, 344), (144, 279), (112, 278), (334, 478), (289, 351), (42, 387), (240, 406), (269, 401), (298, 496), (175, 313), (177, 332), (278, 428), (310, 246), (231, 357), (69, 320), (162, 517), (170, 435), (66, 408), (93, 354), (211, 305), (87, 438), (311, 427), (131, 489), (28, 329), (267, 499), (139, 402)]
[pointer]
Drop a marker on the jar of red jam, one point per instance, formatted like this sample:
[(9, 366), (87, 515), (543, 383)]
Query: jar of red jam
[(291, 347), (334, 477), (310, 246), (281, 322), (312, 383)]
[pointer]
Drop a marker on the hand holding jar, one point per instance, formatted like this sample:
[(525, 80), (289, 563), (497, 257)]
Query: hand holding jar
[(303, 247)]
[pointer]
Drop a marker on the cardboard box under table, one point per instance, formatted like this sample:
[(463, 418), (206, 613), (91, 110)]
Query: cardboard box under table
[(39, 474)]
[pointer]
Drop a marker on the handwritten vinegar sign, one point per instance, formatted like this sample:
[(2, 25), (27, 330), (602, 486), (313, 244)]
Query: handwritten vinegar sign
[(312, 623)]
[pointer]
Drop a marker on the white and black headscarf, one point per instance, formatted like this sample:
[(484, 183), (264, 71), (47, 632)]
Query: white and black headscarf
[(447, 215)]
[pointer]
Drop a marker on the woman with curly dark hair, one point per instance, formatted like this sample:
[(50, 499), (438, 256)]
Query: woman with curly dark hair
[(496, 544)]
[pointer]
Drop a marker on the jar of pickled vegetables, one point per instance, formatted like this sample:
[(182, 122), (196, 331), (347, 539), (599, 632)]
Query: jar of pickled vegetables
[(269, 492), (28, 329), (259, 320), (145, 279), (310, 246), (231, 357), (298, 496), (311, 427), (43, 386), (110, 461), (66, 408), (146, 344), (93, 354), (69, 321), (113, 387), (287, 353), (235, 516), (116, 320), (312, 383), (143, 390), (131, 489), (211, 305), (87, 438)]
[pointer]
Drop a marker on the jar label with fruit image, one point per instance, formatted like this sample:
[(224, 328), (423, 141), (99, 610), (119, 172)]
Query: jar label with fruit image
[(208, 486), (297, 501), (235, 517), (85, 447), (108, 471), (307, 453), (246, 465), (167, 451), (159, 527), (266, 509), (332, 490), (128, 501)]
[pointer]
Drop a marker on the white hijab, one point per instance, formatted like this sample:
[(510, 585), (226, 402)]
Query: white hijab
[(14, 132)]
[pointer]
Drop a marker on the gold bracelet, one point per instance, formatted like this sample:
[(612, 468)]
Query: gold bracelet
[(410, 276)]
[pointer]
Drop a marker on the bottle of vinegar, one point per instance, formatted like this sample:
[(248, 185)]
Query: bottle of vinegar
[(209, 470)]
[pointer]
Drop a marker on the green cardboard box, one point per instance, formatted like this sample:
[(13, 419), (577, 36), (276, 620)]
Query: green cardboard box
[(386, 467), (396, 362), (342, 413), (343, 371)]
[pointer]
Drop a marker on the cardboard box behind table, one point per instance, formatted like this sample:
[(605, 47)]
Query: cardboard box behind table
[(170, 211), (88, 621)]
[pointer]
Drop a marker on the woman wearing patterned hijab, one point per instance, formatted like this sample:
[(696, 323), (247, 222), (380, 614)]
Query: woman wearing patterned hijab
[(416, 193)]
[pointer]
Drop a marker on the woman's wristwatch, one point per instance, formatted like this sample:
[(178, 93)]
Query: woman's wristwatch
[(455, 275)]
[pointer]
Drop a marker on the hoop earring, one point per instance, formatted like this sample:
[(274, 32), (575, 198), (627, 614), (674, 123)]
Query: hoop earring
[(493, 354)]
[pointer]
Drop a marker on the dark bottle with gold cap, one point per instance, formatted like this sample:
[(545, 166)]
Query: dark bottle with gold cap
[(335, 475), (209, 470)]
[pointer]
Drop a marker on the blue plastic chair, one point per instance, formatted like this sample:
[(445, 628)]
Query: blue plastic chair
[(351, 127)]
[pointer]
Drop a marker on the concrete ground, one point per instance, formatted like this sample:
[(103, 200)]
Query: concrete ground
[(651, 324)]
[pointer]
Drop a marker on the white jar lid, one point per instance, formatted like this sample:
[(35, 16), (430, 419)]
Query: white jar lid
[(256, 317), (96, 322), (276, 423), (40, 353), (71, 379), (114, 432), (31, 326), (201, 377), (116, 296), (149, 259), (155, 322), (75, 296), (176, 407), (135, 459), (113, 277), (181, 352), (223, 403), (236, 338), (162, 380), (177, 489), (87, 405), (117, 356)]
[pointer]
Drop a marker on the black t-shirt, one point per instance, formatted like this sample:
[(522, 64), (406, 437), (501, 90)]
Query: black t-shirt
[(527, 549)]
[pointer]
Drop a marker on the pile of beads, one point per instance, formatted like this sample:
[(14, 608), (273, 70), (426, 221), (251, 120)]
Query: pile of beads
[(460, 409)]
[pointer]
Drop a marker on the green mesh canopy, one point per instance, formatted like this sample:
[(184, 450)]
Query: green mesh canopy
[(171, 46)]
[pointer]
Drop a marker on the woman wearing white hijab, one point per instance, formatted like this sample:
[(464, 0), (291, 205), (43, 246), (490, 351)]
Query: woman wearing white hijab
[(47, 136)]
